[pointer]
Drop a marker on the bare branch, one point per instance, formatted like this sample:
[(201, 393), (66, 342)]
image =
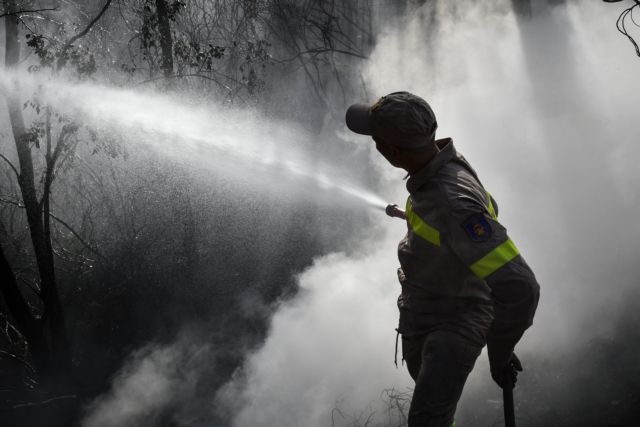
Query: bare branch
[(201, 76), (315, 51), (17, 358), (40, 403), (621, 22), (18, 12), (87, 28), (11, 164), (64, 224)]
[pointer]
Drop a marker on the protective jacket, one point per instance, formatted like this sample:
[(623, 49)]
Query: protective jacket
[(459, 268)]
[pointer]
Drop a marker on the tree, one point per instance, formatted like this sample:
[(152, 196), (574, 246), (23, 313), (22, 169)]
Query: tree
[(166, 40), (36, 210), (47, 335)]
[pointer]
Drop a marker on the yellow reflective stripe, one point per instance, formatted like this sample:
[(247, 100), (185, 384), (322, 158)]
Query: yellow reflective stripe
[(420, 227), (492, 210), (495, 259)]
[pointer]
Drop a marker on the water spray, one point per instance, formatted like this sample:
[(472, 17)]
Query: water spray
[(163, 116), (242, 137)]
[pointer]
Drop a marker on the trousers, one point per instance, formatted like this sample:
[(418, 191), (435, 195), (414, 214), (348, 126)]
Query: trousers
[(439, 362)]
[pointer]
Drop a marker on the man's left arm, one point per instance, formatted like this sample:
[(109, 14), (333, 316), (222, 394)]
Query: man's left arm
[(515, 294), (482, 243)]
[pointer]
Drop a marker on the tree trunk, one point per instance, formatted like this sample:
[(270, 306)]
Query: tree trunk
[(166, 41), (19, 310), (56, 358)]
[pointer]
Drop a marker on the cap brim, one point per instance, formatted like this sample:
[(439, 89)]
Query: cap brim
[(358, 119)]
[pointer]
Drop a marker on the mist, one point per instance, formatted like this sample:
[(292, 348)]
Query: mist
[(543, 110), (207, 137)]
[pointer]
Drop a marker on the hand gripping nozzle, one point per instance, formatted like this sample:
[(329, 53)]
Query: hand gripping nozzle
[(395, 212)]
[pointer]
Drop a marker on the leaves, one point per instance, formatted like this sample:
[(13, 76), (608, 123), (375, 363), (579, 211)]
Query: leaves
[(175, 8), (42, 48), (197, 56), (33, 134), (50, 52), (32, 103)]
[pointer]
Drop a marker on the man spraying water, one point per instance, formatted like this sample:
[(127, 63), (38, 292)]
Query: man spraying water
[(464, 282)]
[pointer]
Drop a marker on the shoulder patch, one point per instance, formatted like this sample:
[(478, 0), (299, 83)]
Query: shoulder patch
[(478, 228)]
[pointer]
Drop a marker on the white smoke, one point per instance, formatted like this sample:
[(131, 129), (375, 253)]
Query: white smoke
[(544, 112), (153, 379), (332, 347)]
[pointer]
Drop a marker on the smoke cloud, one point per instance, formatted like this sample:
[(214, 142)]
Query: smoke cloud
[(544, 110), (154, 380), (327, 348)]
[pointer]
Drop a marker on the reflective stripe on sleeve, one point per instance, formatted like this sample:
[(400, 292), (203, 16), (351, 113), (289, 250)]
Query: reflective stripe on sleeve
[(492, 210), (420, 227), (495, 259)]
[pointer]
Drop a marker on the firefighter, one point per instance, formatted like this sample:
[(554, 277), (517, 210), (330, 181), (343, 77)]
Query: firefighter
[(464, 282)]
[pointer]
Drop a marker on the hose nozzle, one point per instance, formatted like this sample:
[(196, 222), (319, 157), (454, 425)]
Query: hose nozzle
[(395, 212)]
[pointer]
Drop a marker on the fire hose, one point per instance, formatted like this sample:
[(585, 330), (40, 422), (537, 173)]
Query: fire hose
[(507, 399)]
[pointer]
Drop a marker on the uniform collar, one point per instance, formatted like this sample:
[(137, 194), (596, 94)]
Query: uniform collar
[(446, 154)]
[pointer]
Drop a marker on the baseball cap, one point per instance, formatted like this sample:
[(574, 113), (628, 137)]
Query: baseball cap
[(402, 118)]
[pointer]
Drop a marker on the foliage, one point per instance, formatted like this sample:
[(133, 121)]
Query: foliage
[(51, 53), (242, 46)]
